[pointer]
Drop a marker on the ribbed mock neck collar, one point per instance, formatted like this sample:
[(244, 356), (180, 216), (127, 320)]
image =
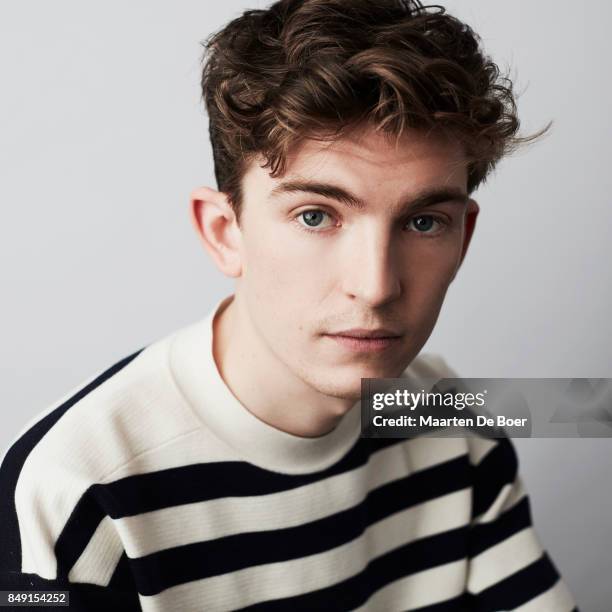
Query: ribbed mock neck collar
[(196, 374)]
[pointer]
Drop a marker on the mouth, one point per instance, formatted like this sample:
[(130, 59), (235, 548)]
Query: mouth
[(365, 343), (361, 332)]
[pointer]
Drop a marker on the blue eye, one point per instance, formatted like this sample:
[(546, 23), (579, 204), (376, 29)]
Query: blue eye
[(312, 216), (312, 220), (423, 223)]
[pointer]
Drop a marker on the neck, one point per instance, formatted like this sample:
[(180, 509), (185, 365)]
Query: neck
[(264, 385)]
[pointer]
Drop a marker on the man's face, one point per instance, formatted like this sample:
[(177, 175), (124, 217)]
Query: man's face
[(312, 265)]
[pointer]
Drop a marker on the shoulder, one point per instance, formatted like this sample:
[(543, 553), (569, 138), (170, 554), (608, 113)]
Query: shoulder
[(69, 425), (55, 463), (121, 411), (74, 428)]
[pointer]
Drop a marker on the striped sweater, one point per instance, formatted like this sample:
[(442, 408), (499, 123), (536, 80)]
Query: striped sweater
[(150, 487)]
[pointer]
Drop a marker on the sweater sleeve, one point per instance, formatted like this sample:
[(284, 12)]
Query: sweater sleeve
[(508, 568), (40, 551)]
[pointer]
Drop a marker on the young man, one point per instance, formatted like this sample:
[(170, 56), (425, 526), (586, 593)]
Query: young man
[(221, 467)]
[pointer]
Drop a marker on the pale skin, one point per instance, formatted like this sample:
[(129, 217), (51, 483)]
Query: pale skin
[(383, 265)]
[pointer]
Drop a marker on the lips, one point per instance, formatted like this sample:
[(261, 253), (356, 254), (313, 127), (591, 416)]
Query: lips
[(365, 344), (366, 333)]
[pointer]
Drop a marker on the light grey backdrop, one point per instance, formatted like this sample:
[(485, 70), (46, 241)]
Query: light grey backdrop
[(103, 137)]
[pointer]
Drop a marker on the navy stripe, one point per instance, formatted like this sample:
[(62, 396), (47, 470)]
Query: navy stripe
[(77, 532), (512, 521), (169, 567), (415, 556), (498, 468), (519, 588), (141, 493), (10, 544), (456, 604), (122, 578)]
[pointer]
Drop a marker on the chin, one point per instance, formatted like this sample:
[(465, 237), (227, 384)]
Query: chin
[(378, 371), (335, 388)]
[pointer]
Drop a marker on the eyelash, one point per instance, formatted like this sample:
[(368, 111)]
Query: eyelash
[(441, 220)]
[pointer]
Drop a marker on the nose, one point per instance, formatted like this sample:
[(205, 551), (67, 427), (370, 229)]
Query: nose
[(372, 275)]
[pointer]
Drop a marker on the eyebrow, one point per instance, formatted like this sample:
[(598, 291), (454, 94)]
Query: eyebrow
[(426, 198)]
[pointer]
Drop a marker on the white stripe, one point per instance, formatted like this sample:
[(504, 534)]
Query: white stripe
[(556, 599), (504, 559), (294, 577), (421, 589), (99, 559), (207, 520)]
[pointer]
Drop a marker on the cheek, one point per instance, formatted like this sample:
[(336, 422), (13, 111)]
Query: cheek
[(280, 285), (430, 273), (264, 254), (279, 263)]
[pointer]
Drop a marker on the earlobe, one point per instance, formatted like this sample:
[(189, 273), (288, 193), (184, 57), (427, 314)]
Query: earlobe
[(215, 223)]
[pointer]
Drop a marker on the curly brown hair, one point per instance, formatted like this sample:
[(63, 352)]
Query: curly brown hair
[(313, 68)]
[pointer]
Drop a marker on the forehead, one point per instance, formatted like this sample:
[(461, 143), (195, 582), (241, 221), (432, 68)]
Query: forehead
[(367, 159)]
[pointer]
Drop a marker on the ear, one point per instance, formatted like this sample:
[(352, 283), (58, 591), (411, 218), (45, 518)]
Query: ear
[(215, 222), (471, 214)]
